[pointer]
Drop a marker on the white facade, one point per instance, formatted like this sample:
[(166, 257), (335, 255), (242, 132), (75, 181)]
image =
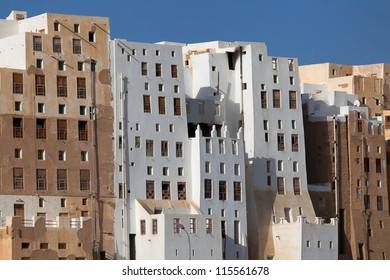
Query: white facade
[(261, 94)]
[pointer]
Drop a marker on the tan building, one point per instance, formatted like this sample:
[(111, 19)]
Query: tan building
[(57, 125), (370, 82), (347, 174)]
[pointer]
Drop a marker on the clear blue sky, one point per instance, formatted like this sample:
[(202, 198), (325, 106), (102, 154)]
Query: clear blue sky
[(314, 31)]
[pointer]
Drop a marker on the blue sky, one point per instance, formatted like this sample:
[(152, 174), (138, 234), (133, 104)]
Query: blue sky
[(314, 31)]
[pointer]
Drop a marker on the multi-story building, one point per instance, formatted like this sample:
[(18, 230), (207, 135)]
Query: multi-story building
[(156, 213), (260, 95), (347, 171), (56, 129)]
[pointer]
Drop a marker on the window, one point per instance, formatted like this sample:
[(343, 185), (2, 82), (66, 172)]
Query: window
[(292, 81), (237, 191), (266, 137), (158, 70), (268, 166), (166, 190), (265, 125), (280, 165), (149, 189), (40, 85), (149, 148), (192, 226), (221, 146), (161, 105), (160, 87), (41, 108), (147, 107), (207, 188), (91, 36), (263, 99), (176, 225), (61, 65), (121, 190), (41, 179), (236, 169), (18, 153), (295, 166), (76, 28), (61, 246), (62, 90), (208, 146), (179, 149), (236, 232), (276, 98), (366, 201), (293, 99), (274, 63), (18, 178), (39, 63), (154, 226), (18, 128), (291, 64), (293, 124), (297, 186), (62, 130), (144, 68), (62, 180), (177, 106), (84, 155), (279, 124), (280, 181), (76, 46), (61, 155), (164, 148), (366, 165), (137, 141), (378, 165), (207, 167), (81, 88), (180, 171), (56, 26), (222, 168), (222, 190), (83, 131), (217, 109), (44, 246), (209, 226), (17, 83), (142, 227), (276, 79), (41, 129), (37, 43), (18, 106), (359, 126), (280, 142), (174, 71), (165, 171), (62, 109), (181, 190), (56, 45), (260, 57), (84, 180), (80, 66), (294, 142), (176, 89), (379, 203), (41, 154)]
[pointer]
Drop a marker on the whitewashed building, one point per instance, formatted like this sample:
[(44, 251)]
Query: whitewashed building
[(261, 94)]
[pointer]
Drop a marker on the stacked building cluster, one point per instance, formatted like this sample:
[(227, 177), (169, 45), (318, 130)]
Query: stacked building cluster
[(114, 149)]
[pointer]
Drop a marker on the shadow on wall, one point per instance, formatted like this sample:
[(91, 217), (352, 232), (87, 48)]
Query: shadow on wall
[(260, 201)]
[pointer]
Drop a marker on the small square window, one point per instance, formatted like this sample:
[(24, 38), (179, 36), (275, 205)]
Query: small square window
[(143, 51), (165, 171), (180, 171), (84, 201), (157, 53), (294, 124), (41, 154), (83, 110), (63, 202), (18, 153), (61, 65), (41, 108), (157, 127), (160, 87), (61, 155), (18, 106), (56, 26), (76, 28), (173, 54), (84, 155), (62, 109), (260, 57), (80, 66), (176, 89), (149, 170), (39, 63), (146, 86), (171, 128)]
